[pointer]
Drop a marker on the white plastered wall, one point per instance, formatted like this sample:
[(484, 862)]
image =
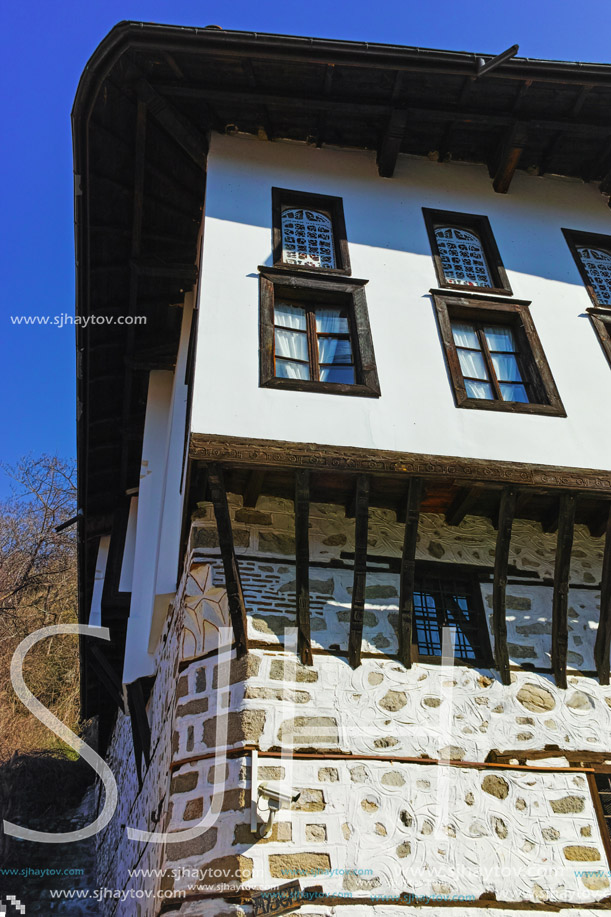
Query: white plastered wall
[(389, 246)]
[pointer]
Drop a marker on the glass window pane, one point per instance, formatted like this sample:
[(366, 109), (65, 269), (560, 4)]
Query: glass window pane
[(499, 338), (307, 238), (464, 335), (332, 321), (334, 350), (337, 374), (286, 369), (291, 344), (506, 367), (472, 364), (513, 392), (478, 389), (289, 316)]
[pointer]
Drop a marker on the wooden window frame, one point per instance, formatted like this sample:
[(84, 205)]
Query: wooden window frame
[(480, 225), (574, 238), (470, 573), (601, 322), (302, 286), (451, 306), (332, 207)]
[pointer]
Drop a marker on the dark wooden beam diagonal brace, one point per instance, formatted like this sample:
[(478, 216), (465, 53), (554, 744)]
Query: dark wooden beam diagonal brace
[(509, 154), (603, 637), (463, 503), (357, 611), (302, 565), (408, 571), (562, 569), (178, 127), (501, 562), (253, 488), (390, 144), (237, 608)]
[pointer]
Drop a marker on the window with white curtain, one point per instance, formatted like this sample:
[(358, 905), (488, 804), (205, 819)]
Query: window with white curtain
[(313, 343), (597, 265), (462, 257), (307, 238), (490, 361)]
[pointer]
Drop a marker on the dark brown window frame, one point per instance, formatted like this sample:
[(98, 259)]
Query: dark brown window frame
[(302, 285), (575, 237), (601, 322), (451, 305), (480, 225), (331, 206)]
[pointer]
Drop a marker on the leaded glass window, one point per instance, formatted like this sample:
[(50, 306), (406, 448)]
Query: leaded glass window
[(449, 601), (307, 238), (489, 360), (597, 265), (462, 257), (313, 343)]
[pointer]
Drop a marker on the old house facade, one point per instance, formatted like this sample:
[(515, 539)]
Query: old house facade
[(345, 493)]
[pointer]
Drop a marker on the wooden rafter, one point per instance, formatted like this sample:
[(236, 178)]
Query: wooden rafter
[(253, 488), (141, 730), (302, 565), (499, 588), (237, 608), (603, 637), (465, 500), (178, 127), (408, 570), (390, 144), (511, 149), (560, 628), (360, 570)]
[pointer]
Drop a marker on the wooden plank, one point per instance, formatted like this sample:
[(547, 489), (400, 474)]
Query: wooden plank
[(302, 565), (360, 567), (237, 608), (560, 628), (511, 149), (254, 485), (501, 563), (408, 571), (141, 730), (603, 637), (390, 144), (463, 503)]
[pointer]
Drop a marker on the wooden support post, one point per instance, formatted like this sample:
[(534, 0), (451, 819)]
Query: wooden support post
[(501, 563), (360, 570), (463, 503), (408, 571), (603, 637), (302, 565), (562, 569), (237, 609), (512, 147), (390, 144), (253, 488)]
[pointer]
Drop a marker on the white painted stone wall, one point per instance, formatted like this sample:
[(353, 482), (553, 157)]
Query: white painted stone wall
[(389, 247)]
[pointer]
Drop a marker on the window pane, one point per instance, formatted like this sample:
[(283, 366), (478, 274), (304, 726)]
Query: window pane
[(292, 344), (464, 335), (513, 392), (332, 321), (499, 338), (286, 369), (442, 601), (462, 257), (472, 364), (334, 350), (289, 316), (307, 238), (597, 264), (478, 389), (337, 374), (506, 367)]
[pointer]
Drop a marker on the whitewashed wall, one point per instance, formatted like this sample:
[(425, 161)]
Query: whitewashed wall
[(389, 246)]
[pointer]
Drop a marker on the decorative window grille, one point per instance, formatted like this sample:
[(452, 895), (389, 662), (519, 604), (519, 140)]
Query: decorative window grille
[(445, 601), (462, 257), (307, 238), (597, 265)]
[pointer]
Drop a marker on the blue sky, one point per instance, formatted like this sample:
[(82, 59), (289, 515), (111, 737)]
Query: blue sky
[(44, 49)]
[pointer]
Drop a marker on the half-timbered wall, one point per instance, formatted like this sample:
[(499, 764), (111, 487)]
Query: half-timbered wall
[(389, 247)]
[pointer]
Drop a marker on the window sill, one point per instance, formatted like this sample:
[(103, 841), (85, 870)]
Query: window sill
[(509, 407), (333, 275), (323, 388)]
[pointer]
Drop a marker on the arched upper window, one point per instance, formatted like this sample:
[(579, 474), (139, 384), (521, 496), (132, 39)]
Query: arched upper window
[(597, 265), (307, 238), (462, 257)]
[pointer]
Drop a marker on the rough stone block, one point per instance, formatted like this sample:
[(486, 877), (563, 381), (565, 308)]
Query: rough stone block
[(184, 783), (292, 865)]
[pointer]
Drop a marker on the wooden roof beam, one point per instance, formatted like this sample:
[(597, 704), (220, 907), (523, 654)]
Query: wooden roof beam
[(237, 608), (357, 611), (499, 588), (603, 636), (408, 571), (390, 144), (302, 565), (463, 504), (188, 137), (254, 486), (562, 569), (510, 152)]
